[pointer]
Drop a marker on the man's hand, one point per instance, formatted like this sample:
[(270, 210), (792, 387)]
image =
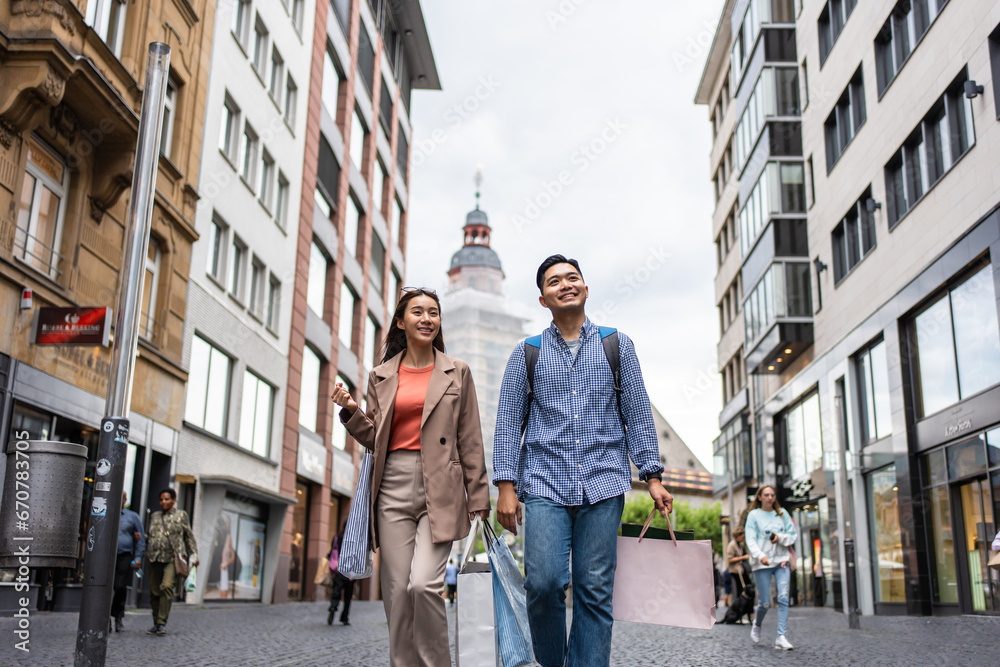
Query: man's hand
[(508, 507), (136, 564), (661, 497)]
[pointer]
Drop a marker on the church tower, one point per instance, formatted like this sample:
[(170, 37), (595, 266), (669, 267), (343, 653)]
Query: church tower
[(481, 325)]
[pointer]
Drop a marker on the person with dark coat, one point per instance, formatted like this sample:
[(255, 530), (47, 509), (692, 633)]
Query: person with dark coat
[(131, 551), (342, 586)]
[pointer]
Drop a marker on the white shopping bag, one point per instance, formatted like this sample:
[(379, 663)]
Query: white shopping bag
[(475, 626)]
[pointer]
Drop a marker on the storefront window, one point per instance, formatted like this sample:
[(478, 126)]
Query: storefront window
[(296, 568), (966, 458), (236, 570), (873, 385), (945, 580), (883, 505)]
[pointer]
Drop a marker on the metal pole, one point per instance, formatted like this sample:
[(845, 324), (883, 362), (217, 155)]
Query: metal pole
[(109, 478), (844, 516)]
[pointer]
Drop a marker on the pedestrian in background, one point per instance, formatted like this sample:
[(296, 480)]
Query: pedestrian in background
[(738, 561), (169, 533), (571, 468), (769, 533), (451, 580), (342, 586), (131, 550), (428, 474)]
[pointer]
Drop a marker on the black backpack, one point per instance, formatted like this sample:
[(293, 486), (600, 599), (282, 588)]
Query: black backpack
[(609, 341)]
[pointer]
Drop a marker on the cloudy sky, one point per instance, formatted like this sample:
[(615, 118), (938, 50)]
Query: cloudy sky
[(583, 119)]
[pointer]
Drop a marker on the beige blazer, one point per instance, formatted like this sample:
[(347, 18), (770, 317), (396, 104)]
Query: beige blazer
[(451, 443)]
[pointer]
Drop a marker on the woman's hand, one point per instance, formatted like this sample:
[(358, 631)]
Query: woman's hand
[(764, 561), (774, 538), (483, 514), (343, 398)]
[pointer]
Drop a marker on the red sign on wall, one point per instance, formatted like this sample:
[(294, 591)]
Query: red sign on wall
[(72, 326)]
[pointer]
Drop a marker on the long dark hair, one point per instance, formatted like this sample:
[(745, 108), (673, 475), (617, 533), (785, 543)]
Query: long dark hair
[(756, 504), (395, 338)]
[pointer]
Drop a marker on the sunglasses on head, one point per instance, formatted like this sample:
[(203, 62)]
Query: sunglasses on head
[(426, 290)]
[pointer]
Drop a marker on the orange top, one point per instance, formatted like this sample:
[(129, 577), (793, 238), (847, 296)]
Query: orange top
[(409, 408)]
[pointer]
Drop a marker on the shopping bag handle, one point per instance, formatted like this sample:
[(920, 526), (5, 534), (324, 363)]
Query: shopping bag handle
[(649, 520)]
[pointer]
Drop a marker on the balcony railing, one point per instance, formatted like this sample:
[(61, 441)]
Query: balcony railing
[(37, 254)]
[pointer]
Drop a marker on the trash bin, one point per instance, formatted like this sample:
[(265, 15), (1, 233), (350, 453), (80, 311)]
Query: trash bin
[(41, 510)]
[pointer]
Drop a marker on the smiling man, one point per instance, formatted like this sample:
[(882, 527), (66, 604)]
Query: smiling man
[(573, 410)]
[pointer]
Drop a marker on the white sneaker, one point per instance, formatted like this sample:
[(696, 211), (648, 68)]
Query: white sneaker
[(755, 633), (783, 644)]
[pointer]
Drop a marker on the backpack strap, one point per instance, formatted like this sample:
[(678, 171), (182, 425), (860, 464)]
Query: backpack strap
[(532, 347), (609, 341)]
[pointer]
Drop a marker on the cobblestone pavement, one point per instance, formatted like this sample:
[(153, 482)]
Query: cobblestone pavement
[(297, 634)]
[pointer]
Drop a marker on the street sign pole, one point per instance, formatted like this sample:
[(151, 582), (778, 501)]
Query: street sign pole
[(109, 476)]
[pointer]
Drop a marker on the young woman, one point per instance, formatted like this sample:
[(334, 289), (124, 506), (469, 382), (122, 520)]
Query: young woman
[(769, 533), (429, 474)]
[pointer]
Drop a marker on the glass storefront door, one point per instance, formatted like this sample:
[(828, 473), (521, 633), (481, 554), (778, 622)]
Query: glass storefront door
[(977, 530), (296, 568)]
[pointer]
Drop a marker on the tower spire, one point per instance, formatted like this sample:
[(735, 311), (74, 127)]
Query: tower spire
[(479, 181)]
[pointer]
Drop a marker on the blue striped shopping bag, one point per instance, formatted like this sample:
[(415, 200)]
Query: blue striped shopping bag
[(356, 551), (510, 607)]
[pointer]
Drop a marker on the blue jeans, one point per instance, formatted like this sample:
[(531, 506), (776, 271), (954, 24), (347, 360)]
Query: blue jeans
[(762, 579), (552, 532)]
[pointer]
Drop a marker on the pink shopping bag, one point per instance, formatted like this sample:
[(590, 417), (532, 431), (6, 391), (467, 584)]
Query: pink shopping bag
[(663, 582)]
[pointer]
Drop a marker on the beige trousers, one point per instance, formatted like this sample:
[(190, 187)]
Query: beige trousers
[(411, 567)]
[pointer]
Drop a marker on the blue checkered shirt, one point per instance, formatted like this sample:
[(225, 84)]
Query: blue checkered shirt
[(575, 447)]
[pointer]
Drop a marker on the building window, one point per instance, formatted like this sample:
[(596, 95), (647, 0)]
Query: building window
[(845, 120), (342, 9), (853, 238), (393, 296), (248, 154), (241, 21), (258, 274), (371, 342), (366, 61), (281, 204), (229, 128), (291, 99), (316, 288), (332, 80), (339, 436), (237, 267), (107, 17), (358, 136), (397, 221), (873, 393), (309, 393), (266, 187), (273, 303), (957, 344), (216, 256), (345, 325), (776, 94), (831, 23), (260, 41), (803, 438), (41, 210), (352, 219), (887, 567), (322, 203), (378, 184), (255, 415), (277, 75), (994, 43), (782, 292), (376, 272), (147, 312), (780, 190), (931, 150), (402, 154), (298, 14), (907, 23), (167, 129), (209, 379)]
